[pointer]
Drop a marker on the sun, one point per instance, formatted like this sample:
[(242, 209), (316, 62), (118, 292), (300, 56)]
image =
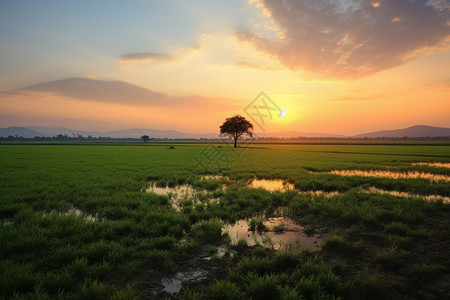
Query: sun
[(282, 112)]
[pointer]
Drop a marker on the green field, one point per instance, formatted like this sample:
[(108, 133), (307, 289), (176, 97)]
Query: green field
[(78, 223)]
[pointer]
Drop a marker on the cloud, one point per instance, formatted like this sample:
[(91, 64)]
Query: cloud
[(351, 38), (116, 92), (6, 93), (438, 86), (145, 57)]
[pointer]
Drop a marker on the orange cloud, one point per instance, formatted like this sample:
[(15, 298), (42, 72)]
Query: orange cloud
[(350, 39)]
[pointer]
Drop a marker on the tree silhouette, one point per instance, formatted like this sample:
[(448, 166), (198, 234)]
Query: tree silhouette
[(145, 138), (235, 127)]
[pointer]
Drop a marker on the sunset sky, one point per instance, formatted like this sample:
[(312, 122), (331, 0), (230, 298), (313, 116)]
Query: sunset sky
[(336, 66)]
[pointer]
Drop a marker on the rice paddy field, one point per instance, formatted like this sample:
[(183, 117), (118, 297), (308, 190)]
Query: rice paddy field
[(205, 221)]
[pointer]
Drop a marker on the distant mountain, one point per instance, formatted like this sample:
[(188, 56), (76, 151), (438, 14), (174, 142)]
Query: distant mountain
[(413, 131), (152, 133), (53, 131), (32, 131), (20, 131)]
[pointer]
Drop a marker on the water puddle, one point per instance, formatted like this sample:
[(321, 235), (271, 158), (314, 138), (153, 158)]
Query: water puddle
[(173, 285), (432, 164), (279, 233), (408, 195), (178, 193), (320, 193), (391, 174), (212, 177), (271, 185), (76, 213)]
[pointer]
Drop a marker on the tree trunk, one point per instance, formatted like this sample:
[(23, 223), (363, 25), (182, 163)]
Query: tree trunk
[(235, 142)]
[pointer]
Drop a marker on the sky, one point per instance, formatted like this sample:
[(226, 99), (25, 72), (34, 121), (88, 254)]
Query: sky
[(336, 66)]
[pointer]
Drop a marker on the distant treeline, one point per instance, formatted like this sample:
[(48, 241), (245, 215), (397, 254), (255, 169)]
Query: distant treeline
[(80, 138)]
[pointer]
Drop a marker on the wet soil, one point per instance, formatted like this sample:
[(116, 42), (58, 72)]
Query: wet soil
[(197, 270)]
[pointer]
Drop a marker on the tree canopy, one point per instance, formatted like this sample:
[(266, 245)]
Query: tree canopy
[(235, 127)]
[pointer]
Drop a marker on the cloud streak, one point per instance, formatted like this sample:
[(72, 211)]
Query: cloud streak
[(351, 38), (114, 92), (145, 57)]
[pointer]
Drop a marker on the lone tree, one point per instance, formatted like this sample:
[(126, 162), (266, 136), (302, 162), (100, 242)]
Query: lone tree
[(235, 127), (145, 138)]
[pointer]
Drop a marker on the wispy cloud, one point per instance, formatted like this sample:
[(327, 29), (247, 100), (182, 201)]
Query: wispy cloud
[(438, 86), (115, 92), (351, 38), (145, 57), (101, 91)]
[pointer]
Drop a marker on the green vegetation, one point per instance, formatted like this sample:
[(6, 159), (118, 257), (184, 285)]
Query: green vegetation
[(77, 222)]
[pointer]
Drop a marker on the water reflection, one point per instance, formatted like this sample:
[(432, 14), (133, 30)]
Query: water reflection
[(319, 193), (432, 164), (408, 195), (391, 174), (173, 285), (279, 233), (74, 212), (271, 185), (212, 177), (177, 193)]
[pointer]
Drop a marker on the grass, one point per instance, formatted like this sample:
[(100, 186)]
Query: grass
[(279, 228), (74, 218), (210, 229), (257, 224), (423, 271), (285, 274)]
